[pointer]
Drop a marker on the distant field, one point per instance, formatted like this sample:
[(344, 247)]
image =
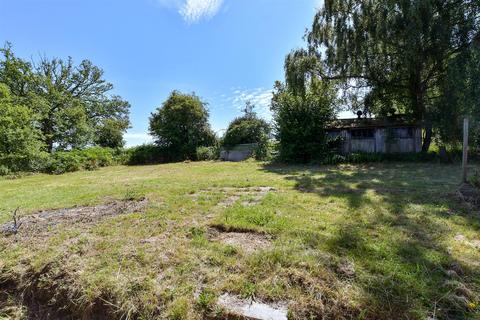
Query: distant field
[(382, 241)]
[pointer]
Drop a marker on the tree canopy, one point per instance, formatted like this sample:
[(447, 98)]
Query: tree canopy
[(181, 125), (301, 119), (72, 103), (393, 56), (248, 128), (19, 137)]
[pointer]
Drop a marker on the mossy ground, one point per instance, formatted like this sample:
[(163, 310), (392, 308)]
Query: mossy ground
[(365, 242)]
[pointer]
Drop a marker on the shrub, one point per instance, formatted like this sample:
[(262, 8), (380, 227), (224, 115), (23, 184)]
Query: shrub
[(96, 157), (146, 154), (4, 171), (75, 160), (356, 158), (262, 150), (64, 161), (246, 129), (474, 180), (207, 153)]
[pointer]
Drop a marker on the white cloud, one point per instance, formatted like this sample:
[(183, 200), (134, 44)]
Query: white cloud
[(194, 11), (135, 139), (260, 97)]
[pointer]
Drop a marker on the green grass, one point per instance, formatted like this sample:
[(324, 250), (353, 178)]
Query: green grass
[(395, 223)]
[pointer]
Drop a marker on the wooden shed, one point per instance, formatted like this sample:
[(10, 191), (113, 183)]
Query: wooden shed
[(378, 135)]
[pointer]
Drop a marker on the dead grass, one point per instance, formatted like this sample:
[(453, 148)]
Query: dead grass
[(372, 242), (44, 223), (248, 242)]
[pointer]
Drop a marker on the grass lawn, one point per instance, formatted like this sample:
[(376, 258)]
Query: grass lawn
[(382, 241)]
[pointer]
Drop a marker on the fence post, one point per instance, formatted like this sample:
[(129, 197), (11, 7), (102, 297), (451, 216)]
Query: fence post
[(465, 150)]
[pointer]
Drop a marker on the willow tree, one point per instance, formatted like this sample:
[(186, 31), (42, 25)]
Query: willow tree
[(393, 54)]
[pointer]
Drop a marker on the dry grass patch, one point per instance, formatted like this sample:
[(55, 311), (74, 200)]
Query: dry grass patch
[(43, 223), (247, 241)]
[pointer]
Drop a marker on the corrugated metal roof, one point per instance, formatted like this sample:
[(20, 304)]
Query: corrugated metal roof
[(395, 121)]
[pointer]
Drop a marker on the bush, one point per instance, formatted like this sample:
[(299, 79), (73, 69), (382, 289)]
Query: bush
[(96, 157), (474, 180), (245, 130), (75, 160), (26, 162), (207, 153), (356, 158), (4, 171), (146, 154), (62, 162), (248, 129), (262, 150)]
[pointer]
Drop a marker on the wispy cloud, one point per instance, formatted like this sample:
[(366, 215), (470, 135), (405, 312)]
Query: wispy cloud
[(194, 11), (260, 97)]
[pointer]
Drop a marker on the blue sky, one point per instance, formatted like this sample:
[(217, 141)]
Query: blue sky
[(227, 51)]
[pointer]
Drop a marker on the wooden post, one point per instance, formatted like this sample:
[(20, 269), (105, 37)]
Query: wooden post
[(465, 150)]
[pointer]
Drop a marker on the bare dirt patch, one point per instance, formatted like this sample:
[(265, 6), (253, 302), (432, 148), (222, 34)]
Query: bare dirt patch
[(43, 221), (247, 241), (250, 196), (472, 243), (249, 309)]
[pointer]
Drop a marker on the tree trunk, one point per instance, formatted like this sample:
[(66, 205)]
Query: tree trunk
[(427, 139), (47, 130)]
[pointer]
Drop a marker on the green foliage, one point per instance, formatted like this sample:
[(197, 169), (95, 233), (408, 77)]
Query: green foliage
[(207, 153), (87, 159), (181, 125), (206, 300), (300, 121), (19, 136), (358, 158), (72, 104), (474, 179), (246, 129), (460, 95), (110, 134), (147, 154), (399, 56), (62, 162), (4, 171)]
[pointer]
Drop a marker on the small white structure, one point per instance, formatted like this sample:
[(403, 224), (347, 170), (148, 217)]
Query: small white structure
[(238, 153)]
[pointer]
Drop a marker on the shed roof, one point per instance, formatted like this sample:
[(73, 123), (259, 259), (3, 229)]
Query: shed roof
[(355, 123)]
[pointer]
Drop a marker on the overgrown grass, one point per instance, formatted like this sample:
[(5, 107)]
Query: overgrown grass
[(393, 224)]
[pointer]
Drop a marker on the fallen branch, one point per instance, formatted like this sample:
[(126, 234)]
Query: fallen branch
[(16, 222)]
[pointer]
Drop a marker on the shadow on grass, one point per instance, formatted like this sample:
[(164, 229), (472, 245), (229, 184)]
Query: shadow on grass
[(395, 230)]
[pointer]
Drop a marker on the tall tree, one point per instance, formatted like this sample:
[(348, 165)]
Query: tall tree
[(19, 135), (73, 102), (248, 128), (301, 119), (181, 125), (397, 52)]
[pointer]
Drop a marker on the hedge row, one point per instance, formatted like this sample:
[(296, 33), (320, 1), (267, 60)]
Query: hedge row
[(63, 161), (96, 157)]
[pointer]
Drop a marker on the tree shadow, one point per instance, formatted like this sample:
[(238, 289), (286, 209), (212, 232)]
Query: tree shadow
[(401, 246)]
